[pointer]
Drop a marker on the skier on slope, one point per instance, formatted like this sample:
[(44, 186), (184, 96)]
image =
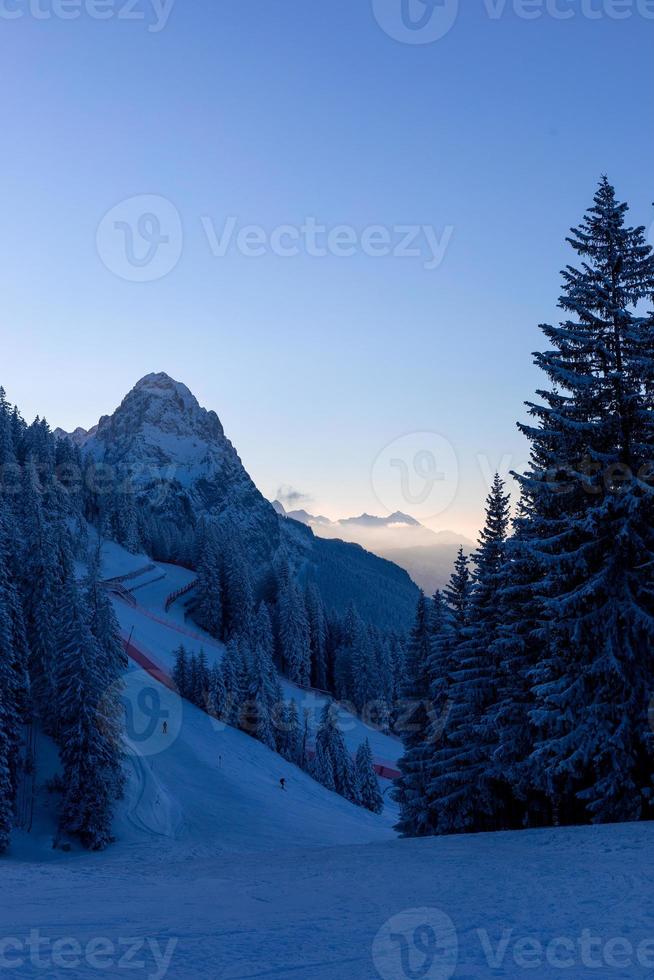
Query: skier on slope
[(165, 727), (282, 783)]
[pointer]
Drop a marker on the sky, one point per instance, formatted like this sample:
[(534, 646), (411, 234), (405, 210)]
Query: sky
[(339, 224)]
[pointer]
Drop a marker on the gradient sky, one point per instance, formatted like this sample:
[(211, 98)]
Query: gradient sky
[(274, 111)]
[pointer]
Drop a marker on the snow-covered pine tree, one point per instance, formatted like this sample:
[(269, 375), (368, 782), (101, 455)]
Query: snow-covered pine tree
[(40, 586), (85, 732), (235, 676), (365, 674), (415, 718), (318, 636), (589, 497), (238, 603), (460, 791), (370, 795), (262, 692), (322, 768), (290, 735), (14, 653), (349, 630), (7, 787), (217, 693), (334, 758), (208, 607), (517, 649), (181, 671), (262, 635), (293, 629), (110, 665)]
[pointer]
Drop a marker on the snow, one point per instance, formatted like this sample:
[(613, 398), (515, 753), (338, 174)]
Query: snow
[(521, 904), (218, 872), (159, 634)]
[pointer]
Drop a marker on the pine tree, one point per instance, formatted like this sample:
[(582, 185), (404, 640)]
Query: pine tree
[(262, 692), (217, 693), (369, 793), (40, 585), (85, 730), (14, 653), (365, 672), (333, 762), (110, 664), (344, 669), (293, 630), (290, 735), (262, 636), (588, 498), (410, 790), (460, 788), (7, 789), (516, 650), (208, 609), (235, 676), (238, 603), (323, 767), (181, 672), (317, 636)]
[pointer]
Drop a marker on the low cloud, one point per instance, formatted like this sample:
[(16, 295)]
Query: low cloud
[(292, 498)]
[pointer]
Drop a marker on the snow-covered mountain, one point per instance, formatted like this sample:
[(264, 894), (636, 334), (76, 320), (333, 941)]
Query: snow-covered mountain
[(177, 456), (166, 441), (426, 555)]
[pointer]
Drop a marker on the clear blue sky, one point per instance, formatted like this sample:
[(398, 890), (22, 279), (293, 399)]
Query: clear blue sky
[(272, 111)]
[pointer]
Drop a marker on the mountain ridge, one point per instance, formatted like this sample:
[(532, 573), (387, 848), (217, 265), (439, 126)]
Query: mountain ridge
[(183, 469)]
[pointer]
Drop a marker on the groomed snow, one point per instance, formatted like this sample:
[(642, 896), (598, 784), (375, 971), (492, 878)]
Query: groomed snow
[(567, 903)]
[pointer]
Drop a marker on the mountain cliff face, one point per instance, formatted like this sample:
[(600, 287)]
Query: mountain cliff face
[(176, 453), (181, 463)]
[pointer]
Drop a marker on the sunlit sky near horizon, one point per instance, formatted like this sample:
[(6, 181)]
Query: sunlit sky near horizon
[(279, 114)]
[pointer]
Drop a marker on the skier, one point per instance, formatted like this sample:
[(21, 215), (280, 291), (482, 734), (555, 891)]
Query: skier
[(165, 727), (282, 783)]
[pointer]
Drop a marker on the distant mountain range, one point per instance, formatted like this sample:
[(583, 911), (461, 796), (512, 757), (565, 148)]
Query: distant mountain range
[(425, 554)]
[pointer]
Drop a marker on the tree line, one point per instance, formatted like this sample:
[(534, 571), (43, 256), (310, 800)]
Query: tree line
[(60, 654), (534, 666)]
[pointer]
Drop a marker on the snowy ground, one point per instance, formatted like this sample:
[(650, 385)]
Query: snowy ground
[(218, 873), (540, 904), (159, 634)]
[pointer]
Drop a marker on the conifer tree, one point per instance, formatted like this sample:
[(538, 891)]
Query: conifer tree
[(217, 693), (181, 671), (7, 789), (410, 790), (460, 790), (238, 603), (208, 608), (290, 734), (40, 587), (317, 636), (85, 729), (588, 496), (293, 630), (370, 795), (333, 762)]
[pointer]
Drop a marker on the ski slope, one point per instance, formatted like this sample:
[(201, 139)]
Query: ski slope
[(218, 873), (159, 633), (566, 903)]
